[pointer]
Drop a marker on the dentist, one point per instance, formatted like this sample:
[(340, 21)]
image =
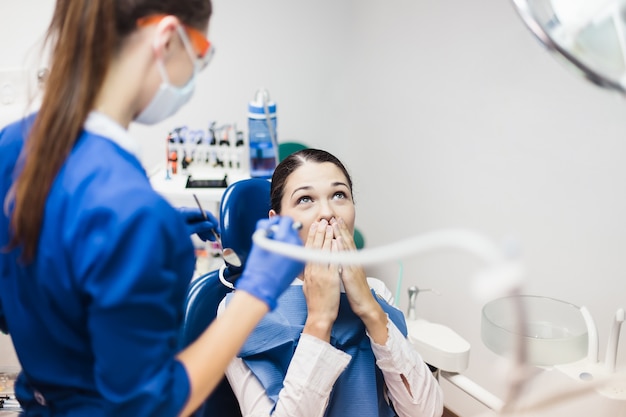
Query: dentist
[(94, 264)]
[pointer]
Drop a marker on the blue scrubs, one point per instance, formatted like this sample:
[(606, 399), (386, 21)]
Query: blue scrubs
[(94, 318)]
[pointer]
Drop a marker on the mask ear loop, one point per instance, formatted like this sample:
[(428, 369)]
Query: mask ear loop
[(185, 39), (161, 67), (189, 49)]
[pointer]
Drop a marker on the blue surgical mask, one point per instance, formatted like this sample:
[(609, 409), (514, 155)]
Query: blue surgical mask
[(168, 99)]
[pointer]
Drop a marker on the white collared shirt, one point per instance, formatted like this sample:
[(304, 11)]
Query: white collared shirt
[(102, 125), (316, 365)]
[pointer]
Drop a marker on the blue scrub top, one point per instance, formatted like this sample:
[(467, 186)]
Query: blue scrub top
[(95, 317)]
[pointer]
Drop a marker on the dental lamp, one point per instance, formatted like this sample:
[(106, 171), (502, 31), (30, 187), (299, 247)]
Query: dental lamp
[(588, 36)]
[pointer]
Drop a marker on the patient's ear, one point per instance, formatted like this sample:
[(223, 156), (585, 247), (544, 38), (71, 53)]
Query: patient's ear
[(272, 213)]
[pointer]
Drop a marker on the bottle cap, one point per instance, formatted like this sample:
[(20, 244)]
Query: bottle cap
[(262, 97)]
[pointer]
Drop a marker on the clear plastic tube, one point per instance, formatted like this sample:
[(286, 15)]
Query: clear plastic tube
[(466, 240)]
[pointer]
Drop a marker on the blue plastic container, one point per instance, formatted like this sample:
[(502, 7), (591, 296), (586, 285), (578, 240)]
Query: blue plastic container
[(262, 136)]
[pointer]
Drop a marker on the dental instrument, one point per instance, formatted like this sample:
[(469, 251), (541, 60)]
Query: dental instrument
[(413, 293), (228, 255)]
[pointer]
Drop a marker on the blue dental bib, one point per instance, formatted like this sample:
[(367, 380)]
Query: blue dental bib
[(359, 390)]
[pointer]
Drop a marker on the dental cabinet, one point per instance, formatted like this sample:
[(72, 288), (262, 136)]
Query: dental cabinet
[(176, 189)]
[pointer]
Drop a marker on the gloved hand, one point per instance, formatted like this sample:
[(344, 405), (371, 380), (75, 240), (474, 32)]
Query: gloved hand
[(266, 274), (196, 223)]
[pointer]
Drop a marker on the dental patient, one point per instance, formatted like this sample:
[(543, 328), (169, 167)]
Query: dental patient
[(334, 345)]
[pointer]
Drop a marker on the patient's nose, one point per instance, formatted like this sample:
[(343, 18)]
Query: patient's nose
[(326, 212)]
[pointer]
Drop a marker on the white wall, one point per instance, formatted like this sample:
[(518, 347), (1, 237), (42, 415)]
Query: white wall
[(294, 49), (483, 129), (449, 114)]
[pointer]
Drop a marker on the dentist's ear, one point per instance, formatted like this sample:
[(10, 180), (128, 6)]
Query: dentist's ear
[(164, 33)]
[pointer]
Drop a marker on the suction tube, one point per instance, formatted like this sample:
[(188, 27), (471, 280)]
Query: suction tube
[(502, 275), (459, 239)]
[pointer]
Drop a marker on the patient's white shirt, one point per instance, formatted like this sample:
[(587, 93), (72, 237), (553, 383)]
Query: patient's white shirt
[(316, 365)]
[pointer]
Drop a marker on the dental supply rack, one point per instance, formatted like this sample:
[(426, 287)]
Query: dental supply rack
[(202, 162), (209, 154)]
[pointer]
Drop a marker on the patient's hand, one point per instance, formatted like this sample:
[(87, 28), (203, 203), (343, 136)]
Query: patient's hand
[(358, 291), (353, 276), (321, 285)]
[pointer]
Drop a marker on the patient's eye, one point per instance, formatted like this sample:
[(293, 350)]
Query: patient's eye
[(340, 195), (304, 199)]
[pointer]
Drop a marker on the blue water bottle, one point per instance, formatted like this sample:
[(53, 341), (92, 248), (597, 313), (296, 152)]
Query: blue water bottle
[(262, 135)]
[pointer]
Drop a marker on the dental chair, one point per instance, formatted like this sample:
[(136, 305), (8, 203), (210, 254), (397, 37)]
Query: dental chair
[(243, 204)]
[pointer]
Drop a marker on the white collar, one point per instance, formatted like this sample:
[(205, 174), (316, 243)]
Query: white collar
[(102, 125)]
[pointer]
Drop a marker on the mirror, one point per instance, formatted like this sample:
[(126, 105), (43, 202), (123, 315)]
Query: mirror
[(589, 36)]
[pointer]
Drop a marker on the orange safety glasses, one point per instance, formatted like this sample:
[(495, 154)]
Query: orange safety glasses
[(199, 43)]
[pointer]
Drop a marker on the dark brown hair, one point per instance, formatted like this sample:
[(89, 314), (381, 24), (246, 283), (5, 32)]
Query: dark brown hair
[(293, 162), (83, 36)]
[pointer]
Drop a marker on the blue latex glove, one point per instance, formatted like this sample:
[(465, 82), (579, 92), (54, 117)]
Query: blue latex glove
[(266, 274), (196, 223)]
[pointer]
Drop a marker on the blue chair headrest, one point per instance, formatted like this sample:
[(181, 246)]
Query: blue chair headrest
[(243, 204)]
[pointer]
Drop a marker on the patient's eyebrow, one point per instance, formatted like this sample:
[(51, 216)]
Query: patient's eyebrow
[(306, 187)]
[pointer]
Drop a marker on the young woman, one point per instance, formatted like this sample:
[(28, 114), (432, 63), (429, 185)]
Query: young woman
[(95, 265), (334, 346)]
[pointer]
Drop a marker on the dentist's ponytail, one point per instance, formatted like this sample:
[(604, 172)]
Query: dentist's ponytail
[(82, 37)]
